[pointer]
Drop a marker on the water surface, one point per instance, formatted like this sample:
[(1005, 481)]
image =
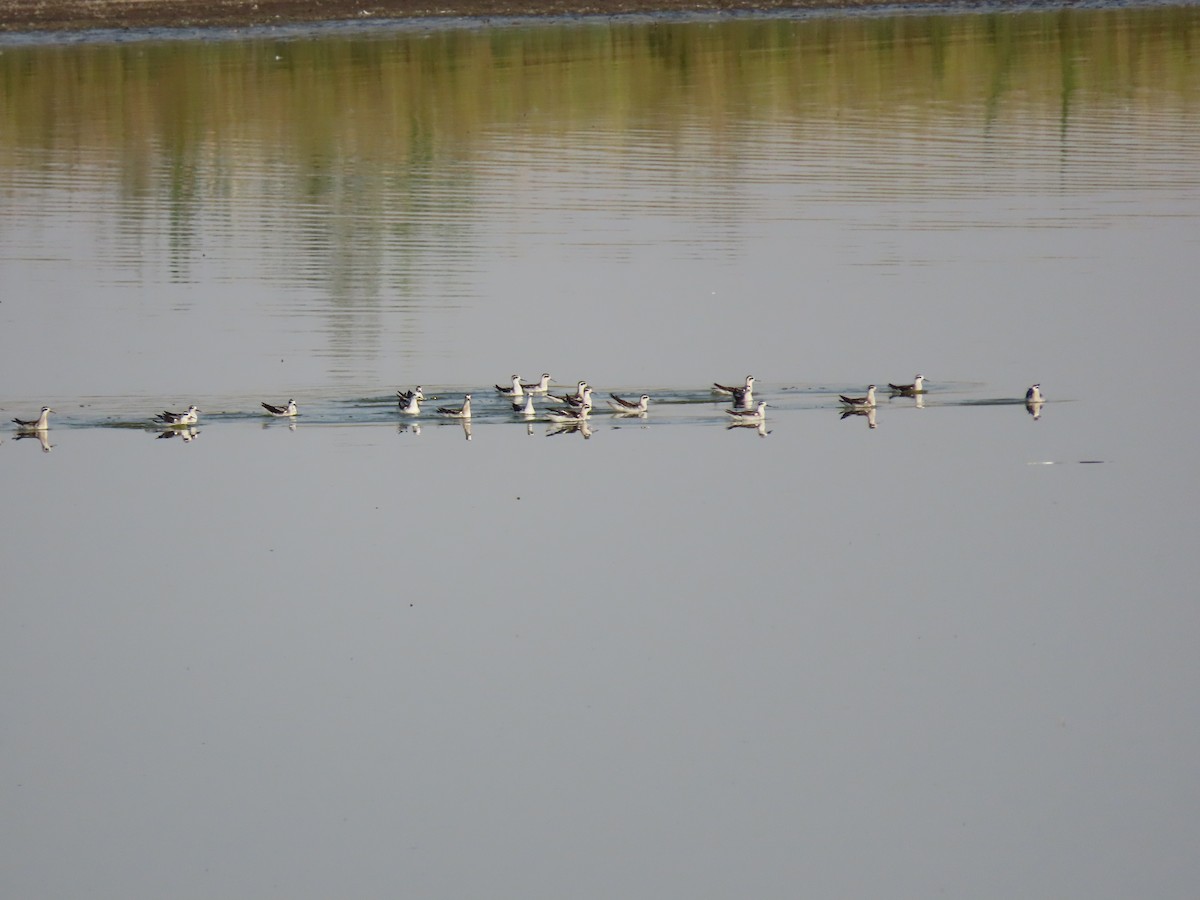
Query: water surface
[(952, 653)]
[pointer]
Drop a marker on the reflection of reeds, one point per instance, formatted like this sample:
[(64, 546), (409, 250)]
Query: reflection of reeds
[(404, 99)]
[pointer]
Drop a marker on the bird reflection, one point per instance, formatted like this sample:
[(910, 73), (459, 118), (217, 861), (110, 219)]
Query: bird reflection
[(580, 427), (759, 428), (187, 435), (466, 425), (410, 427), (868, 414), (43, 438)]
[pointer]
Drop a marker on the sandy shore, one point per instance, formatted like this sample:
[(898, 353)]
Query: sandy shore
[(76, 15)]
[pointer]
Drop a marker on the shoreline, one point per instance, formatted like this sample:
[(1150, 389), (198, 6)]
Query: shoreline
[(74, 16)]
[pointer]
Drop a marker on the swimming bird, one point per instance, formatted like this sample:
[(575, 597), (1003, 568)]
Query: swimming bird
[(569, 414), (515, 391), (748, 387), (176, 420), (525, 409), (628, 407), (582, 401), (289, 410), (540, 387), (862, 402), (748, 416), (567, 398), (917, 387), (41, 423), (1034, 401), (458, 412), (410, 402)]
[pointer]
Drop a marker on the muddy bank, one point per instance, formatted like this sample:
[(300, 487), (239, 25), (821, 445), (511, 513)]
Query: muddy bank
[(76, 15)]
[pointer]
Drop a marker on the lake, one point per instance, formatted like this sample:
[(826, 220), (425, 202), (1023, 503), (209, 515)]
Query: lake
[(947, 648)]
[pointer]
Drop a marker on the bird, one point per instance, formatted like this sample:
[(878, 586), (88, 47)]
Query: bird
[(748, 387), (525, 409), (582, 401), (861, 402), (567, 398), (289, 410), (540, 387), (458, 412), (176, 420), (917, 387), (748, 416), (411, 402), (1034, 401), (573, 415), (41, 423), (515, 391), (628, 407)]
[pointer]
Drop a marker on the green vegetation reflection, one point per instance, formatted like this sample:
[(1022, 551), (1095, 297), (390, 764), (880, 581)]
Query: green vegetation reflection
[(409, 99)]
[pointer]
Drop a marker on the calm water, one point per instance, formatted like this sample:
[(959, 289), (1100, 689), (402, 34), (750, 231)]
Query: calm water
[(951, 654)]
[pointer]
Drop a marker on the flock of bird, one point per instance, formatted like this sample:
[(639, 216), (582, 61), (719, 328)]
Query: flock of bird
[(568, 410)]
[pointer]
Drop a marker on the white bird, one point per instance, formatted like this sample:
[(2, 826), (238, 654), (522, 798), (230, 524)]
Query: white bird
[(540, 387), (567, 398), (747, 388), (408, 395), (573, 415), (628, 407), (917, 387), (458, 412), (176, 420), (1034, 401), (289, 410), (410, 402), (515, 391), (525, 409), (860, 402), (583, 401), (749, 416), (41, 423)]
